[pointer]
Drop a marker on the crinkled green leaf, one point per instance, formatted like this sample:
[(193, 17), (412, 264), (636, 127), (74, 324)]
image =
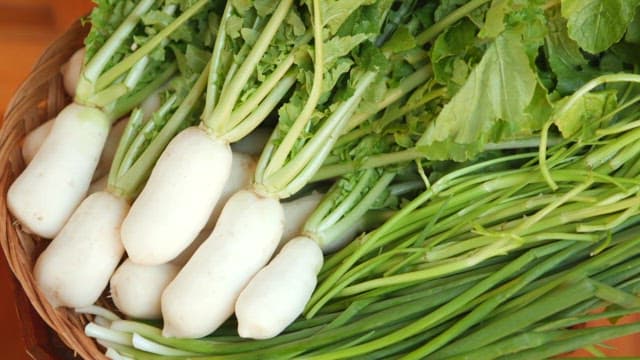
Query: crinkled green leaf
[(567, 62), (494, 20), (500, 87), (585, 115), (401, 40), (452, 54), (597, 24), (336, 12)]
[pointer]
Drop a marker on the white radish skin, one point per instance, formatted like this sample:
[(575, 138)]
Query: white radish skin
[(296, 213), (136, 289), (110, 147), (71, 72), (179, 196), (254, 143), (43, 197), (204, 293), (277, 295), (76, 266), (243, 167), (34, 140)]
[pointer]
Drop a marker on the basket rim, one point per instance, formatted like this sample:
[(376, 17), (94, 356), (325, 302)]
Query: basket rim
[(42, 89)]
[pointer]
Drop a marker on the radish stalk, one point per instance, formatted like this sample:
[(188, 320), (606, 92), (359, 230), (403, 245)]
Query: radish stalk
[(98, 101)]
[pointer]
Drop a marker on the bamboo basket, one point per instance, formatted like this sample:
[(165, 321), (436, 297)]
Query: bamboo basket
[(38, 99)]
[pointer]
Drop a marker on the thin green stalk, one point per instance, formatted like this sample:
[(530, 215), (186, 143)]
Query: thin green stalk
[(429, 34), (87, 81), (433, 318), (279, 157), (217, 60), (580, 339), (125, 104), (298, 171), (229, 95), (123, 66), (260, 112), (375, 161), (407, 84), (131, 182), (481, 311)]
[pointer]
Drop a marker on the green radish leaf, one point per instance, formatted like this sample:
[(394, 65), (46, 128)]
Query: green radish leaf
[(499, 89), (595, 24), (584, 116), (570, 67)]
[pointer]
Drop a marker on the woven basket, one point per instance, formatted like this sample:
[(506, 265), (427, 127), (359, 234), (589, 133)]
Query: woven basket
[(39, 98)]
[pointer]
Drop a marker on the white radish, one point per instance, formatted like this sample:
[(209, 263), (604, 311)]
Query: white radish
[(296, 213), (136, 289), (179, 196), (71, 71), (203, 294), (34, 140), (277, 295), (76, 266), (43, 197), (242, 168), (36, 137)]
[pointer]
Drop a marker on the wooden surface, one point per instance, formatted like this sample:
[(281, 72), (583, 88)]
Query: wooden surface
[(26, 27)]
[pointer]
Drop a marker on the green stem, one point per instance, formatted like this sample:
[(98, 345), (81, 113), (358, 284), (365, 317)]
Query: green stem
[(131, 182), (116, 71), (230, 94), (214, 79), (279, 157), (429, 34), (260, 112), (89, 76)]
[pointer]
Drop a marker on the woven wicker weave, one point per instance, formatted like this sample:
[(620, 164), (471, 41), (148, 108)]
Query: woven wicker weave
[(39, 98)]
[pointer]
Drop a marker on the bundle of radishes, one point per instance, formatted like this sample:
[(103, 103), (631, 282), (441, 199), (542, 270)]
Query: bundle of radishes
[(258, 137)]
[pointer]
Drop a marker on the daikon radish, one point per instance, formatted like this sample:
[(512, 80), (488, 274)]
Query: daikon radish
[(198, 162), (34, 140), (43, 197), (71, 71), (76, 266), (136, 289), (203, 294), (295, 267)]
